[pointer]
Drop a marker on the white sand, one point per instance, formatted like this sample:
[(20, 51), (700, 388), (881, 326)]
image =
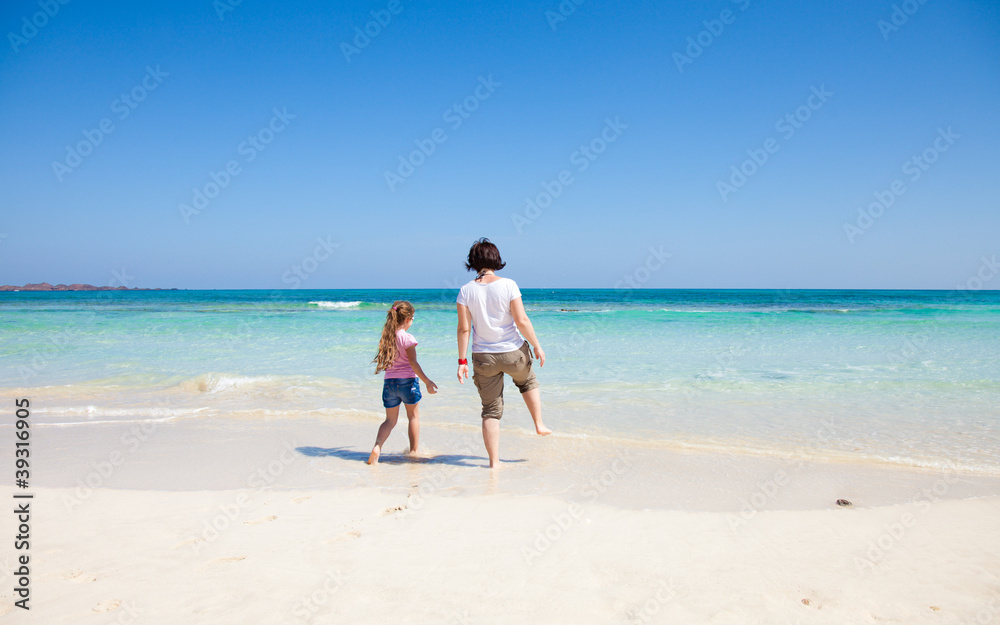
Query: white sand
[(364, 556), (428, 543)]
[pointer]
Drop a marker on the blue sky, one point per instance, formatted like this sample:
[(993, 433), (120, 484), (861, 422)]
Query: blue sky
[(644, 111)]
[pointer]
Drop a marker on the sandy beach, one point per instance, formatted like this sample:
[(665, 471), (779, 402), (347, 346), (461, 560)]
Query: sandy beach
[(727, 274), (281, 522)]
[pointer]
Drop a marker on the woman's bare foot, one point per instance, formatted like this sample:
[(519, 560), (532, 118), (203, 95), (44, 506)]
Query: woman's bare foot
[(416, 454), (541, 430), (373, 458)]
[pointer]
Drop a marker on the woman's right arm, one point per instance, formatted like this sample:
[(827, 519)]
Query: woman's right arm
[(464, 329), (527, 330)]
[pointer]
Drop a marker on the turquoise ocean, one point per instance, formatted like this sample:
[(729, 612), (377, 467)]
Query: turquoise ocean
[(909, 378)]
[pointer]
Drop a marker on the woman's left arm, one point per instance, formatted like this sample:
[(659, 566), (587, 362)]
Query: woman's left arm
[(527, 330)]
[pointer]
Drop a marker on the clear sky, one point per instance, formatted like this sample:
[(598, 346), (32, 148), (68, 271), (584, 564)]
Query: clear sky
[(700, 144)]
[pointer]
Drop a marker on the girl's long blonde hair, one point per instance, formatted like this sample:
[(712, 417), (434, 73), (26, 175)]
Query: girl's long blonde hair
[(387, 349)]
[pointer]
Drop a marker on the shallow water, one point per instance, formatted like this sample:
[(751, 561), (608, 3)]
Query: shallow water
[(902, 377)]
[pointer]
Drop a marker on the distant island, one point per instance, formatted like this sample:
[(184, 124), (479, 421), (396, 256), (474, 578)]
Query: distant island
[(45, 286)]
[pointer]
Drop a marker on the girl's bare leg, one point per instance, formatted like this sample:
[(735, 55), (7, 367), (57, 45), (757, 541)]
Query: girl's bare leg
[(491, 436), (413, 414), (391, 415), (533, 400)]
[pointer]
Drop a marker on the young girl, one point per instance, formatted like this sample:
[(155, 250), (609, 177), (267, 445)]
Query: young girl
[(397, 356)]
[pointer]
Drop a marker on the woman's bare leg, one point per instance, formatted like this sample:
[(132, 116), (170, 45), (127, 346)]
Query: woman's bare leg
[(491, 436), (533, 400)]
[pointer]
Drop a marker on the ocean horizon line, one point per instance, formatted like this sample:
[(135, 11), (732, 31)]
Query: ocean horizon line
[(146, 290)]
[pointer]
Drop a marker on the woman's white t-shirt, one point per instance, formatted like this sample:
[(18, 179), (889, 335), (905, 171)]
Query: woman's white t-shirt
[(493, 329)]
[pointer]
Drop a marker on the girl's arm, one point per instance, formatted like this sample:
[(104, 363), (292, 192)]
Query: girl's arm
[(464, 329), (527, 330), (411, 353)]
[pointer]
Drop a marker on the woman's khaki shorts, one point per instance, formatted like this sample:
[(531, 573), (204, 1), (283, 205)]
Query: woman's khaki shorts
[(487, 373)]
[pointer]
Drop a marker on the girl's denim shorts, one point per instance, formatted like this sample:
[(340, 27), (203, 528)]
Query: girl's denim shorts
[(400, 390)]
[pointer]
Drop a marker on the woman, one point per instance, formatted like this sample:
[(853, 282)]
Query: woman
[(490, 308)]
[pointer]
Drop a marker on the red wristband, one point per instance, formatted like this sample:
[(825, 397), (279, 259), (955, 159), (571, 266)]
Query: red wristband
[(463, 361)]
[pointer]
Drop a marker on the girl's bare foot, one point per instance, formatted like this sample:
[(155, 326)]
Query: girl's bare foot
[(541, 430), (373, 458)]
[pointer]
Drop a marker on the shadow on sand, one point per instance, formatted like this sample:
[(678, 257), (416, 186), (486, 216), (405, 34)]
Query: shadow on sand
[(344, 453)]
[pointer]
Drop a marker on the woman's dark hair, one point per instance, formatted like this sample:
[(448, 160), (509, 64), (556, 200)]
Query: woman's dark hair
[(484, 255)]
